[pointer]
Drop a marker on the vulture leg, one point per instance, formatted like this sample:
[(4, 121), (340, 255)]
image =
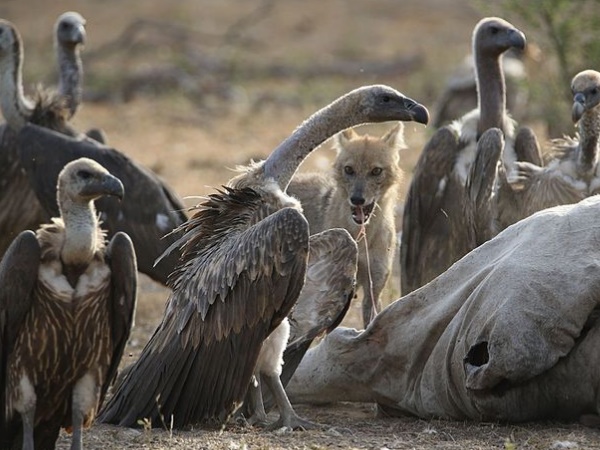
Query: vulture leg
[(287, 416), (28, 417), (84, 398), (77, 438), (259, 415)]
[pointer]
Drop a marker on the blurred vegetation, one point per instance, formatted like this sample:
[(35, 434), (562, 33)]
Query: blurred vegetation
[(566, 32)]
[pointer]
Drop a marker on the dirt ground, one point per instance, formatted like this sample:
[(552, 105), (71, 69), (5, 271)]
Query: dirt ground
[(197, 87)]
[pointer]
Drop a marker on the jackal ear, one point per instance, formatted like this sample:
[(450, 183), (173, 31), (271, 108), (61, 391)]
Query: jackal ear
[(345, 136), (395, 137)]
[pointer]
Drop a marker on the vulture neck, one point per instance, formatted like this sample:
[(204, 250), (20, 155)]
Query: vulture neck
[(283, 162), (589, 126), (16, 108), (80, 243), (491, 92), (70, 75)]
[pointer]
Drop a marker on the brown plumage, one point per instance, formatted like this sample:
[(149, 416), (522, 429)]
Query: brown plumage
[(244, 258), (65, 322), (434, 232), (571, 171), (32, 153)]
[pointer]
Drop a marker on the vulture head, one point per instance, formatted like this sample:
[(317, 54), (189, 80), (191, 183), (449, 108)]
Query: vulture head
[(381, 103), (84, 180), (492, 36), (586, 93), (70, 29)]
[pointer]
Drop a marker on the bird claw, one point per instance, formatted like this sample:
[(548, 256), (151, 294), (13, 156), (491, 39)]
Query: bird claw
[(294, 423)]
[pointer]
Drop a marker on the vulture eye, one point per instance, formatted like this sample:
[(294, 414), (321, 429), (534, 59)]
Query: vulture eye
[(84, 174), (386, 99), (64, 25), (348, 170), (376, 171), (494, 30), (594, 91)]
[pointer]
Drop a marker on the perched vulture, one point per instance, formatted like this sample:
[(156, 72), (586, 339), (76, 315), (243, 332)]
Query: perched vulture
[(510, 332), (243, 265), (571, 171), (69, 38), (460, 93), (148, 213), (434, 232), (31, 157), (67, 300)]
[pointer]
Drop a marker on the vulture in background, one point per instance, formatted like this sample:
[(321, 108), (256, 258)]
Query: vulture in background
[(67, 300), (37, 142), (243, 266), (69, 39), (434, 232), (571, 172), (460, 94)]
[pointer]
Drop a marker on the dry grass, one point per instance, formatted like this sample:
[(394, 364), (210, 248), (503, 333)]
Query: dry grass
[(192, 141)]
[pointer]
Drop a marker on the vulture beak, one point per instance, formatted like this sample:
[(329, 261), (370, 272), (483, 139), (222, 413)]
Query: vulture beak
[(107, 184), (417, 112), (79, 35), (578, 107), (517, 39)]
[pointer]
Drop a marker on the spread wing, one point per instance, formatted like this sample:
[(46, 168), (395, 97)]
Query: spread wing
[(433, 208), (230, 293), (148, 212), (18, 276), (121, 258)]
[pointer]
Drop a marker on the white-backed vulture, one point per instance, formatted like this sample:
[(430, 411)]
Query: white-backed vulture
[(434, 229), (510, 332), (67, 301), (69, 38), (460, 93), (31, 157), (571, 171), (149, 211), (243, 264)]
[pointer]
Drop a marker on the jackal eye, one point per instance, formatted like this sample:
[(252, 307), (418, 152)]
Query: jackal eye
[(376, 171), (348, 170)]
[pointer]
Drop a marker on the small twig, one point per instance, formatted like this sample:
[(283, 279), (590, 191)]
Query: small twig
[(362, 235)]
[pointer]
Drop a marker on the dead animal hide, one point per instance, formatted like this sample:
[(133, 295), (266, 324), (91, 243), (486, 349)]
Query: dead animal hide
[(509, 332)]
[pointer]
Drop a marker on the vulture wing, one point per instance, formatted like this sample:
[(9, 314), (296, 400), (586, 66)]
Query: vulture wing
[(148, 212), (18, 276), (237, 282), (434, 203), (121, 258)]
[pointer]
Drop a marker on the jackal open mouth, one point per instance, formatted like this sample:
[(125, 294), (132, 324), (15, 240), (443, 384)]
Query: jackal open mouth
[(362, 213)]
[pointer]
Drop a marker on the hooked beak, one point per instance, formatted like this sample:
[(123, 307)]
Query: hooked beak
[(106, 185), (578, 107), (517, 39), (417, 112)]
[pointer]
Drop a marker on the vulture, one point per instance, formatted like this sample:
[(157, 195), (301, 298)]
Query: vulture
[(37, 142), (434, 232), (244, 257), (67, 300), (460, 93), (69, 39), (571, 171)]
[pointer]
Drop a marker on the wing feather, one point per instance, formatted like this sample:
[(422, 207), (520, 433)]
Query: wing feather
[(148, 212), (433, 204), (18, 276), (200, 360)]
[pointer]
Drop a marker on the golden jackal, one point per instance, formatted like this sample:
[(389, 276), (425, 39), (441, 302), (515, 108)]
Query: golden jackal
[(361, 192)]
